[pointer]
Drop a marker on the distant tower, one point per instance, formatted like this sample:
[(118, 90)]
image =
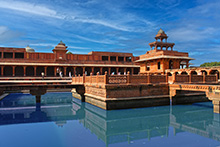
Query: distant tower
[(162, 57), (162, 43), (60, 51)]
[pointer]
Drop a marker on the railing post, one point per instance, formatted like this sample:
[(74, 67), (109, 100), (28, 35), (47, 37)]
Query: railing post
[(128, 77), (106, 78), (216, 76), (148, 78), (91, 77), (204, 77), (190, 78), (174, 77), (97, 77), (166, 77), (84, 78), (78, 78)]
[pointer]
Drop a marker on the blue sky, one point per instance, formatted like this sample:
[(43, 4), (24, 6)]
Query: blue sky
[(112, 25)]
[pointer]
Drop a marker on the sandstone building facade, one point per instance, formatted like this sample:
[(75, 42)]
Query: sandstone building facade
[(24, 62)]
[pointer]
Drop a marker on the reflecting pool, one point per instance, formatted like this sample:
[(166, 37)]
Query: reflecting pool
[(63, 121)]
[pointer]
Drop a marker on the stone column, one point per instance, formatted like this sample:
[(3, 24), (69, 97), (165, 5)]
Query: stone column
[(2, 70), (101, 70), (132, 71), (13, 71), (45, 71), (74, 70), (117, 69), (109, 70), (92, 70), (25, 71), (35, 71), (64, 71), (204, 77), (55, 71), (84, 70), (190, 77)]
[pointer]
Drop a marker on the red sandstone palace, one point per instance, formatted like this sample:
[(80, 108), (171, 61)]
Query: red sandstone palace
[(27, 62)]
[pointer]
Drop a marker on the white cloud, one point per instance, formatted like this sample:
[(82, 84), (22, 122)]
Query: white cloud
[(29, 8)]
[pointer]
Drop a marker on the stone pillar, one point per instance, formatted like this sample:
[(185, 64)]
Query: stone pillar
[(109, 70), (55, 71), (216, 106), (106, 78), (190, 77), (74, 70), (148, 78), (216, 76), (35, 71), (117, 69), (204, 77), (25, 71), (92, 70), (13, 70), (38, 98), (45, 71), (84, 70), (132, 71), (101, 70), (128, 77), (2, 70), (64, 72)]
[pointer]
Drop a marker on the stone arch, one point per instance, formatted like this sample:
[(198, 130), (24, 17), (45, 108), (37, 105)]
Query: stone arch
[(19, 71), (204, 72), (39, 70), (30, 71), (136, 70), (213, 72), (88, 70), (50, 71), (171, 64), (169, 74), (128, 69), (113, 70), (121, 70), (193, 72), (184, 73), (69, 71), (96, 69), (8, 71), (104, 70), (79, 71)]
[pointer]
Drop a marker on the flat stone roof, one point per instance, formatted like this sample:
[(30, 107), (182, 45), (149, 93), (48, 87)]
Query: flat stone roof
[(76, 65), (164, 57)]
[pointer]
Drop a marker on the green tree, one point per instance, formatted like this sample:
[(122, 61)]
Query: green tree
[(209, 64), (69, 52)]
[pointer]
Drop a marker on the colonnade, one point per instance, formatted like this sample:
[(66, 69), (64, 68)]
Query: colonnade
[(53, 71)]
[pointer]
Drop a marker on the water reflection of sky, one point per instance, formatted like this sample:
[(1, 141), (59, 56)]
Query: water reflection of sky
[(61, 120)]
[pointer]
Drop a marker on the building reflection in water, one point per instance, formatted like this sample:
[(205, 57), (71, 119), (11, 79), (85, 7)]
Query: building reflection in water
[(112, 126)]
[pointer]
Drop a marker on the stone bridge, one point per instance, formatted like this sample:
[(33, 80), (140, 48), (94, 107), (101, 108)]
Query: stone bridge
[(38, 87), (212, 92)]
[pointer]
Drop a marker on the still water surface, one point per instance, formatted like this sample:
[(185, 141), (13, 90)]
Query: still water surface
[(63, 121)]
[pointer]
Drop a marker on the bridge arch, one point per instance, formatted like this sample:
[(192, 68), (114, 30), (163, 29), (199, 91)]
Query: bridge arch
[(69, 70), (29, 71), (88, 70), (104, 70), (184, 73), (79, 71), (50, 71), (19, 71), (193, 72), (8, 71), (96, 69), (39, 70)]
